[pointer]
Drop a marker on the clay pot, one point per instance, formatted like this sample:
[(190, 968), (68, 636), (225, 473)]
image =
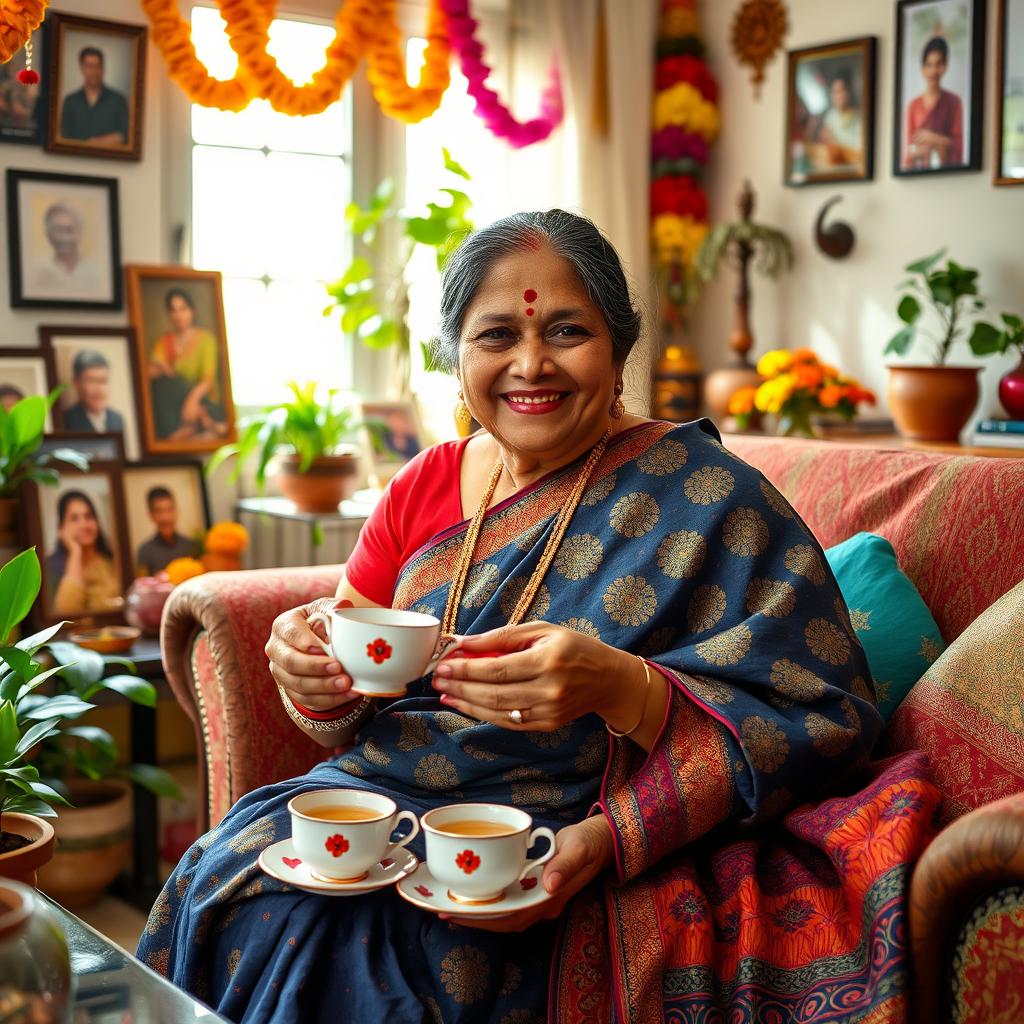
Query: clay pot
[(327, 482), (933, 403), (1011, 392), (93, 843), (22, 865)]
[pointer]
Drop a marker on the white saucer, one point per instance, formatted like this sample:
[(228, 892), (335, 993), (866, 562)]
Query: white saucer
[(280, 861), (422, 890)]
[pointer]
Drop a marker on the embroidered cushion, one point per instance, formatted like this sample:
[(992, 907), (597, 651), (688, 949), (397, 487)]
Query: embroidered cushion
[(892, 622), (967, 711)]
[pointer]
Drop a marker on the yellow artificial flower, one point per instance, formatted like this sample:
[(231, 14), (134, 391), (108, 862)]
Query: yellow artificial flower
[(771, 364), (683, 105), (677, 239), (773, 394)]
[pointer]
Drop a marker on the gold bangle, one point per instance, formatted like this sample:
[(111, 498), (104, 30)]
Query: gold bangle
[(322, 726), (643, 709)]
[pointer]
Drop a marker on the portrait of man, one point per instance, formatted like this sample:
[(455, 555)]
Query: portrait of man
[(95, 113), (10, 396), (91, 381), (166, 544), (64, 269)]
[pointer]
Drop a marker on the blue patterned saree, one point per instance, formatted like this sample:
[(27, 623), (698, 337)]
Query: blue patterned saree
[(732, 897)]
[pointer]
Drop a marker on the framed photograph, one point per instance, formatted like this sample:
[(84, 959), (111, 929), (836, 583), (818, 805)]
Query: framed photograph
[(95, 447), (183, 379), (78, 528), (23, 372), (167, 513), (940, 57), (63, 241), (394, 436), (96, 80), (96, 367), (1009, 158), (23, 107), (830, 113)]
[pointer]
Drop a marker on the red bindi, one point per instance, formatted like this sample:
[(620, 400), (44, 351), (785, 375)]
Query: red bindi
[(529, 310), (530, 295)]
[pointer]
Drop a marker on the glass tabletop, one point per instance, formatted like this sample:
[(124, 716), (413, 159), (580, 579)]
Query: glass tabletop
[(113, 987)]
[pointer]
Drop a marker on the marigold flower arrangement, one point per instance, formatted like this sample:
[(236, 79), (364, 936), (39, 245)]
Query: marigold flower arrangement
[(796, 386), (222, 548)]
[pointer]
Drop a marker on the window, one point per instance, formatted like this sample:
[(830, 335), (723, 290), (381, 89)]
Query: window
[(268, 210)]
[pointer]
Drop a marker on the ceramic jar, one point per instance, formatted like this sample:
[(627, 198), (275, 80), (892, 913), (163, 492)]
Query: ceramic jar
[(144, 603)]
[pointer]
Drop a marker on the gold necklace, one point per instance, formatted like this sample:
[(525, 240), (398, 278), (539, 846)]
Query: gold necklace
[(568, 510)]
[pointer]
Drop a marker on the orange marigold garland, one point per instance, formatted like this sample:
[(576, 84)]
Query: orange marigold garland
[(18, 20)]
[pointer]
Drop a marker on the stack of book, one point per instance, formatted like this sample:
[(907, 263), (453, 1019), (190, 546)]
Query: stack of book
[(996, 433)]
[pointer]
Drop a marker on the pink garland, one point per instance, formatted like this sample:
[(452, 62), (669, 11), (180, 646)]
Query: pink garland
[(498, 118)]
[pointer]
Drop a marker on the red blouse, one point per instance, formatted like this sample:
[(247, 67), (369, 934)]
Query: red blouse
[(423, 499)]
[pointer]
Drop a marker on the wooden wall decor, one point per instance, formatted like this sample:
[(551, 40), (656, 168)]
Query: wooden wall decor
[(758, 29)]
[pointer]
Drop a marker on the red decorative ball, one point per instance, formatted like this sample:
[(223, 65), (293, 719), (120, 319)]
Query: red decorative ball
[(28, 77)]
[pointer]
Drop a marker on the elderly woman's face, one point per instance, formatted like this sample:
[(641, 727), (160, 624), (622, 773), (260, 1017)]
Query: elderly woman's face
[(535, 356)]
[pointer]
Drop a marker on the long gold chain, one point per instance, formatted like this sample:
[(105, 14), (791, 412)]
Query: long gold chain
[(568, 510)]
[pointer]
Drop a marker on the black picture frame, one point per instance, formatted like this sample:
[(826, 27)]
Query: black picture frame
[(1010, 19), (17, 233), (834, 59), (904, 164), (34, 135), (95, 447)]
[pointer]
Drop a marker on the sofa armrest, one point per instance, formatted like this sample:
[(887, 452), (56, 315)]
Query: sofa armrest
[(212, 638), (979, 852)]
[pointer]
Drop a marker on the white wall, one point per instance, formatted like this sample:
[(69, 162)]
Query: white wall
[(845, 309)]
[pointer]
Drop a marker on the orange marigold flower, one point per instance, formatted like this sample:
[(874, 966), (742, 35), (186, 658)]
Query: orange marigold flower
[(830, 396), (742, 402), (804, 355), (227, 538), (182, 569), (807, 375)]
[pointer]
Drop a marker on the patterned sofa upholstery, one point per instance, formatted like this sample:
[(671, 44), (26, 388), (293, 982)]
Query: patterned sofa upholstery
[(957, 524)]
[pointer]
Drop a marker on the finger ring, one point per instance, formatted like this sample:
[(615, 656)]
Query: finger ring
[(515, 715)]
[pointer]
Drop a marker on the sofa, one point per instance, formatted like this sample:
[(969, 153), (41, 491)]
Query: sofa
[(957, 525)]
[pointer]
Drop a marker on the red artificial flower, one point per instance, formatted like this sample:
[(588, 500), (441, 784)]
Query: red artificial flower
[(379, 650), (673, 70), (337, 845), (468, 861), (680, 195)]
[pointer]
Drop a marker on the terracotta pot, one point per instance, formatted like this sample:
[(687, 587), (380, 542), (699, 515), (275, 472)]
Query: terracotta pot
[(22, 865), (93, 843), (327, 482), (8, 522), (1011, 392), (932, 403)]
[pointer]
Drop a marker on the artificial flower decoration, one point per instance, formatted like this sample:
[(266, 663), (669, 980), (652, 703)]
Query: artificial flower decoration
[(182, 569), (18, 20), (337, 845), (379, 650), (226, 538), (468, 861)]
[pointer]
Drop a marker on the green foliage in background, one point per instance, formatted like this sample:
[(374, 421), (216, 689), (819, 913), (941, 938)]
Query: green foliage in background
[(21, 434)]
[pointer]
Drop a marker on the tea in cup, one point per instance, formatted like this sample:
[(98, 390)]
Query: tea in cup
[(382, 649), (342, 833), (478, 850)]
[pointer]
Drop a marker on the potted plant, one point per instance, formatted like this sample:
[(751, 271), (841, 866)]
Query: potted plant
[(21, 434), (986, 340), (933, 402), (311, 441)]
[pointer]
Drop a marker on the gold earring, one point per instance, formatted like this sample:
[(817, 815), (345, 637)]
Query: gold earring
[(463, 417), (618, 409)]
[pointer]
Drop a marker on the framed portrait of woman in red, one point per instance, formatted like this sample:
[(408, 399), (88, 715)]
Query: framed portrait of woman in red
[(184, 383)]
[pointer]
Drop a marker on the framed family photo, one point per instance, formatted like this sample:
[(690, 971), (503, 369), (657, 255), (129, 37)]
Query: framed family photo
[(64, 241), (96, 367), (167, 513), (95, 447), (96, 80), (939, 87), (394, 437), (78, 528), (1009, 158), (183, 384), (24, 372), (23, 107), (830, 113)]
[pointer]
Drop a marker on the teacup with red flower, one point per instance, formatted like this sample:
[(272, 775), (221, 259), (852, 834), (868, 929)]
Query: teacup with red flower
[(382, 649), (479, 850), (342, 833)]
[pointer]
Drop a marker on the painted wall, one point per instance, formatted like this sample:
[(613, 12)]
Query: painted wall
[(845, 309)]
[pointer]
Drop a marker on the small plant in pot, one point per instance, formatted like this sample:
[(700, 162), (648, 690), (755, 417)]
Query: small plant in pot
[(933, 402), (313, 443)]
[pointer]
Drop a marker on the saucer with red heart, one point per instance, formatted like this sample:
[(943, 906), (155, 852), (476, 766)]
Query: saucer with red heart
[(423, 890), (282, 861)]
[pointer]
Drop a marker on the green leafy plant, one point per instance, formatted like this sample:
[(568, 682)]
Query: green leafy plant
[(372, 295), (771, 248), (21, 434), (303, 426), (952, 293), (987, 340)]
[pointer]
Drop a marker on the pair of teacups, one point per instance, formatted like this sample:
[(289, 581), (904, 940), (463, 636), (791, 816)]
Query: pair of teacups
[(477, 850)]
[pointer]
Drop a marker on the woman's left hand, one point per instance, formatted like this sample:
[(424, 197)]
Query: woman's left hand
[(584, 850), (551, 674)]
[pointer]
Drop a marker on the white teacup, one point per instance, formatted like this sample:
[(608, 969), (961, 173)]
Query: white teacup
[(382, 649), (344, 848), (476, 866)]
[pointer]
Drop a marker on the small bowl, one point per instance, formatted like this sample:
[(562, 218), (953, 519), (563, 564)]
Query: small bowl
[(107, 639)]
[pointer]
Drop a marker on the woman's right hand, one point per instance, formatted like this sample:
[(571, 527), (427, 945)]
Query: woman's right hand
[(67, 538), (298, 662)]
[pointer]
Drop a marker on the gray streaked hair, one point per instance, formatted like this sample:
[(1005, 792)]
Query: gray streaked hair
[(88, 359), (574, 238)]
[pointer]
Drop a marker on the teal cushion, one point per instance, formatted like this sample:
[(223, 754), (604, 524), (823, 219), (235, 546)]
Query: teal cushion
[(892, 622)]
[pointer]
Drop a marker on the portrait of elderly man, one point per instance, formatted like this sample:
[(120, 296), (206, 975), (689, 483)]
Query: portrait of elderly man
[(90, 378), (95, 113), (65, 272)]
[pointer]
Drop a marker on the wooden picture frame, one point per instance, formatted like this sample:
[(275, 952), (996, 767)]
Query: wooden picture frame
[(108, 574), (169, 425), (107, 447), (92, 45), (1009, 30), (384, 448), (114, 346), (825, 142), (24, 370), (944, 149), (26, 124), (65, 213)]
